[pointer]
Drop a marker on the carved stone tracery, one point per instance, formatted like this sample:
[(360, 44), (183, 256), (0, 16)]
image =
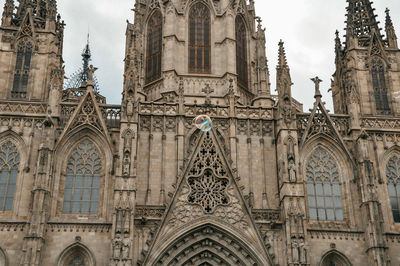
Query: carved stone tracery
[(208, 181)]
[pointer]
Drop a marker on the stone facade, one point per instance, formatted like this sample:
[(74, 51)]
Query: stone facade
[(83, 182)]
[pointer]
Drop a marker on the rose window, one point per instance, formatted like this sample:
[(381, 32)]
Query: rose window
[(208, 190)]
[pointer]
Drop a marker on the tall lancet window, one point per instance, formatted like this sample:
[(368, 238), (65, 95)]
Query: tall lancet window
[(82, 180), (393, 179), (323, 187), (22, 69), (154, 47), (241, 52), (380, 88), (199, 39), (9, 167)]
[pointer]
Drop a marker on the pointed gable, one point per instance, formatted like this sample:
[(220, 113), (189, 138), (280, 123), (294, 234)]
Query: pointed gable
[(207, 194), (27, 28), (321, 123), (87, 113)]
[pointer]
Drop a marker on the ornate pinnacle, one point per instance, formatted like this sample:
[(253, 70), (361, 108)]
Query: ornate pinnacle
[(317, 81), (361, 20), (390, 32), (282, 62)]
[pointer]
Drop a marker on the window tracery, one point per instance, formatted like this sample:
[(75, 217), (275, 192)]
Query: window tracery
[(77, 261), (22, 69), (393, 179), (241, 52), (323, 187), (9, 166), (199, 39), (154, 47), (82, 181), (379, 85), (208, 181)]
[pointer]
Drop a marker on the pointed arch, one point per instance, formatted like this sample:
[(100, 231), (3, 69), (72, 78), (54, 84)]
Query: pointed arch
[(241, 52), (24, 49), (379, 83), (154, 46), (338, 173), (82, 180), (76, 254), (65, 149), (200, 39), (10, 160), (392, 173), (334, 258), (207, 244)]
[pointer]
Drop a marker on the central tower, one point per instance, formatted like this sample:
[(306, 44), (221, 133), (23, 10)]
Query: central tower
[(193, 45)]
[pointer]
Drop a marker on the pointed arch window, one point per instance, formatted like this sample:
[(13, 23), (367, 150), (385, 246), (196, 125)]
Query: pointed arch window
[(154, 47), (393, 179), (380, 88), (9, 167), (334, 259), (22, 69), (241, 52), (199, 39), (82, 181), (323, 187)]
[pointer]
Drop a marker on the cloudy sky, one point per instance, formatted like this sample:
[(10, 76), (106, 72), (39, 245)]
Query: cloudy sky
[(306, 26)]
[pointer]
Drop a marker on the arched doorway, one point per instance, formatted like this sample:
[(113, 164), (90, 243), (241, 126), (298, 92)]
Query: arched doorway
[(334, 258), (207, 245), (76, 255)]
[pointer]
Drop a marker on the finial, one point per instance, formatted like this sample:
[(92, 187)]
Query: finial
[(282, 62), (317, 81)]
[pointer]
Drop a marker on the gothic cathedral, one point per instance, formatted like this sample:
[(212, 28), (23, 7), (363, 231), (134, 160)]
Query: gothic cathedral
[(84, 182)]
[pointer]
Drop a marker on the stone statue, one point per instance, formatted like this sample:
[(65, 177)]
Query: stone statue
[(126, 246), (292, 171), (295, 252), (117, 246)]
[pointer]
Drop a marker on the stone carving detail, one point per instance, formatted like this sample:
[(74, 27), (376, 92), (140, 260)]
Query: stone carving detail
[(208, 191), (208, 181), (232, 214), (87, 115), (126, 162), (292, 169)]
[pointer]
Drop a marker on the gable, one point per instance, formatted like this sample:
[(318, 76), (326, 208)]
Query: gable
[(207, 194)]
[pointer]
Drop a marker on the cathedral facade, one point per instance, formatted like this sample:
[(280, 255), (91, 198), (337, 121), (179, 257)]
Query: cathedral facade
[(84, 182)]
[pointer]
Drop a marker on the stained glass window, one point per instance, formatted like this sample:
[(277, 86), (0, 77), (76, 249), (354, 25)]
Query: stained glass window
[(393, 179), (22, 69), (82, 181), (241, 52), (199, 39), (154, 47), (380, 89), (323, 187), (9, 167)]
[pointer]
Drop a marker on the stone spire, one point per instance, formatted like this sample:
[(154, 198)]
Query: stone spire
[(262, 63), (361, 23), (86, 58), (283, 79), (42, 10), (338, 48), (390, 32)]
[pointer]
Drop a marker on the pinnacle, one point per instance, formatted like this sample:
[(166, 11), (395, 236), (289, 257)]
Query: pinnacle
[(389, 22), (282, 61), (361, 20)]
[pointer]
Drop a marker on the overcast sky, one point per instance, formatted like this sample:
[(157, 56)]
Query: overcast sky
[(306, 26)]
